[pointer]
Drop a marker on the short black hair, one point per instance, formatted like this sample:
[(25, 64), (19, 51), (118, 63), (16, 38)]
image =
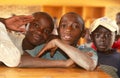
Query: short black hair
[(81, 19), (46, 15)]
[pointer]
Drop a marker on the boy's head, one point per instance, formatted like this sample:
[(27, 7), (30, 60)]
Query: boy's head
[(118, 20), (70, 28), (103, 32), (40, 28)]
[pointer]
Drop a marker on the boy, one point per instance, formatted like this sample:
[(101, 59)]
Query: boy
[(70, 30), (116, 44), (103, 33)]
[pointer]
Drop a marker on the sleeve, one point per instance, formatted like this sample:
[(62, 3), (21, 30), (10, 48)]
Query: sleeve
[(116, 44)]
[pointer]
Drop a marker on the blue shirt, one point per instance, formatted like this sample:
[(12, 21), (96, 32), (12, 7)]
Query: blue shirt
[(58, 55), (112, 59)]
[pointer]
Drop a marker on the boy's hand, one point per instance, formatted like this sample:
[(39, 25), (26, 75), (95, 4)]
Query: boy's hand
[(15, 22), (52, 51), (89, 54), (50, 45), (70, 63)]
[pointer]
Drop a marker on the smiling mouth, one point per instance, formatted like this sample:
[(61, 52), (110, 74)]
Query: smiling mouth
[(67, 37), (36, 37)]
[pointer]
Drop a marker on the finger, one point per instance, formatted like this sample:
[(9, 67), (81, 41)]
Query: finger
[(53, 51), (40, 53), (27, 18)]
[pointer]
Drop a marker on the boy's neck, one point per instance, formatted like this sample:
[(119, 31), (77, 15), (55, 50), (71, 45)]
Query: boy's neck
[(26, 45), (106, 52)]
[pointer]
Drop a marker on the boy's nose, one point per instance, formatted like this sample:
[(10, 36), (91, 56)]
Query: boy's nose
[(39, 31), (69, 28), (103, 37)]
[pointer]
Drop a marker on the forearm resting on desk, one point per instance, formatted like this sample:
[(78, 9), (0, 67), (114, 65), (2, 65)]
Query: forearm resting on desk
[(29, 61), (79, 57)]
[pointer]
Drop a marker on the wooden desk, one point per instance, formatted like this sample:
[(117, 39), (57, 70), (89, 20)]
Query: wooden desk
[(6, 72)]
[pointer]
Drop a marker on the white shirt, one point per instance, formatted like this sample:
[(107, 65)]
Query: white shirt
[(10, 55)]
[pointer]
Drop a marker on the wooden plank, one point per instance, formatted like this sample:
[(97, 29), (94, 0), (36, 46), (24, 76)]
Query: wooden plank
[(6, 72)]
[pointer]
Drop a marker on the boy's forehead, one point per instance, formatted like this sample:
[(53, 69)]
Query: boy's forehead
[(39, 16), (71, 17)]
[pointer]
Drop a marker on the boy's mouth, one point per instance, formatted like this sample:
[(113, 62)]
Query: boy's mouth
[(102, 46), (36, 37), (66, 37)]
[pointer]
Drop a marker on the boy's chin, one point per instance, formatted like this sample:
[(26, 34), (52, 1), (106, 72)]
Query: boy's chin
[(68, 42), (103, 49)]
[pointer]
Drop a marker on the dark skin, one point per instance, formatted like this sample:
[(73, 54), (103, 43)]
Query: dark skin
[(38, 33), (103, 39), (70, 29), (15, 22)]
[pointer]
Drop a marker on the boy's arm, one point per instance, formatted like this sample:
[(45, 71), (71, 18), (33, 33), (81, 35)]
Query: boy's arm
[(29, 61), (79, 57)]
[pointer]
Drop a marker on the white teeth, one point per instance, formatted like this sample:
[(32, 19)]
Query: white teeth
[(67, 37)]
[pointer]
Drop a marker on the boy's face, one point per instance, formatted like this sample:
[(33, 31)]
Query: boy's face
[(39, 30), (103, 38), (70, 29), (118, 21)]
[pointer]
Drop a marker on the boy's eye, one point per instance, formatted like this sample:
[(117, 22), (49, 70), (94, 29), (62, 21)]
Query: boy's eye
[(108, 35), (63, 25), (46, 31), (97, 35), (75, 26), (36, 25), (105, 35)]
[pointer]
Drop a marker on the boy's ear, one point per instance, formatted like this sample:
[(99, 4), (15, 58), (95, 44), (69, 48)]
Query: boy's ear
[(83, 33), (91, 37)]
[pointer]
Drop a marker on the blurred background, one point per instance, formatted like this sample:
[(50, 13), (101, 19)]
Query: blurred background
[(88, 9)]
